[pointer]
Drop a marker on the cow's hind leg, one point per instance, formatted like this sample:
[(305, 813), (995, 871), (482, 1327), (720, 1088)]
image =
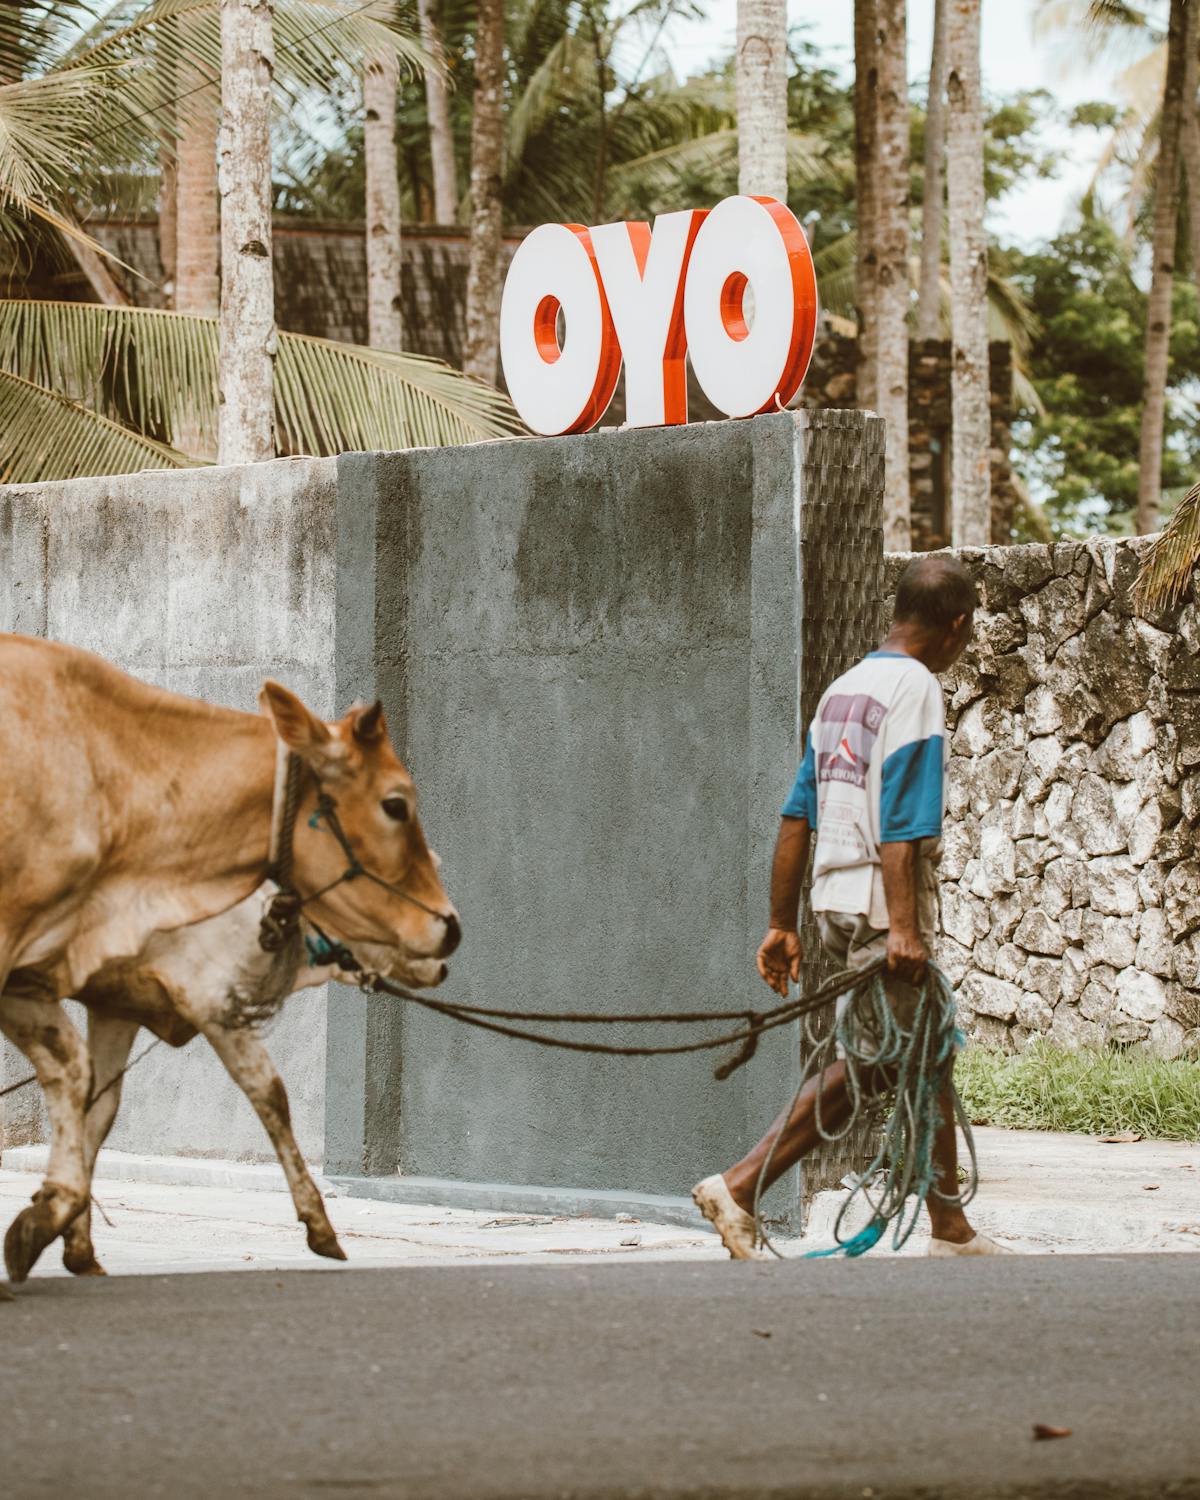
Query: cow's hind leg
[(43, 1032), (249, 1064), (110, 1041)]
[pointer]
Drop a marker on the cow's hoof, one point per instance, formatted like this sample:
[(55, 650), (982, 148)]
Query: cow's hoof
[(323, 1241), (28, 1235), (5, 1294), (83, 1264)]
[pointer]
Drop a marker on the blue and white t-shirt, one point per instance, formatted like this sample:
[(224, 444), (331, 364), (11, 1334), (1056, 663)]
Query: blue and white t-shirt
[(873, 772)]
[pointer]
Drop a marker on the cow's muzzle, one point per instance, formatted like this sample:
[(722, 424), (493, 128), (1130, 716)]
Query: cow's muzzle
[(452, 937)]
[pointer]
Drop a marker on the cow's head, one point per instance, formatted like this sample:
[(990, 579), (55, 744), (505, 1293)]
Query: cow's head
[(409, 913)]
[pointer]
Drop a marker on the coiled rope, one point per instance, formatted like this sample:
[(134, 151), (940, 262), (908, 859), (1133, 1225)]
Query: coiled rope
[(918, 1063)]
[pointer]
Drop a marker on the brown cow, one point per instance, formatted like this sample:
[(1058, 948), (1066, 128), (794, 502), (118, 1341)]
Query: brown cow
[(212, 978), (127, 811)]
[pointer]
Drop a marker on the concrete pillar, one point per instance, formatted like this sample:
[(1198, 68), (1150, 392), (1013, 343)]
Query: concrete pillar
[(598, 656)]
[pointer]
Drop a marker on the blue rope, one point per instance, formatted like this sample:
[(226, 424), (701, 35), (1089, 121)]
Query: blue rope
[(900, 1176)]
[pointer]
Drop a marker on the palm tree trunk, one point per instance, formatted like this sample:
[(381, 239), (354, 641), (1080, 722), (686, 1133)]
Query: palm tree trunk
[(865, 161), (762, 98), (437, 105), (168, 200), (380, 79), (198, 258), (247, 361), (487, 159), (970, 414), (892, 240), (1191, 167), (929, 317), (1162, 282), (168, 218)]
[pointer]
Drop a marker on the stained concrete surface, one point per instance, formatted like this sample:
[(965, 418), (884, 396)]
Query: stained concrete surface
[(1057, 1194), (205, 582), (820, 1380)]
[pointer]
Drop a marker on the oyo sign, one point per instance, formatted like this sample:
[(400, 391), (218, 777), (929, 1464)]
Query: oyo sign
[(655, 298)]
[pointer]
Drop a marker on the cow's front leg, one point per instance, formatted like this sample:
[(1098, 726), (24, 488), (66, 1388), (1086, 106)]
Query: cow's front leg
[(249, 1064), (109, 1041), (43, 1032)]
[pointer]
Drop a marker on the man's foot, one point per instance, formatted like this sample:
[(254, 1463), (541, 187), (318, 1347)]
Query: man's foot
[(978, 1244), (735, 1226)]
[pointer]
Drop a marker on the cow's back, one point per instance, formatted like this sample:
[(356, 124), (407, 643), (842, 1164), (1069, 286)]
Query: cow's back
[(104, 777)]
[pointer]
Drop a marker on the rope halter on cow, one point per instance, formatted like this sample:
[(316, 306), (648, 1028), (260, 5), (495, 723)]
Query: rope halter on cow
[(286, 906)]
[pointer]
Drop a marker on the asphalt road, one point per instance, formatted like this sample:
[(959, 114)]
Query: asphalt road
[(894, 1378)]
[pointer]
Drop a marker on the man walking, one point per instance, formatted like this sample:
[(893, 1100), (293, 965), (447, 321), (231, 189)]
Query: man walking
[(871, 788)]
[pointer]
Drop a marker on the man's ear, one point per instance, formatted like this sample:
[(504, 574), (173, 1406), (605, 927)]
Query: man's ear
[(299, 728)]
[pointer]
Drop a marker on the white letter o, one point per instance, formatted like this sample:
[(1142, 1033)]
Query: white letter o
[(755, 242), (557, 389)]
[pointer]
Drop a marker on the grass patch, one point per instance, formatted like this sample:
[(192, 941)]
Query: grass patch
[(1088, 1092)]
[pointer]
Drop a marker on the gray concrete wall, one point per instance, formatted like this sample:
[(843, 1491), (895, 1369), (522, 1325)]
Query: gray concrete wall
[(593, 654), (596, 655), (206, 583)]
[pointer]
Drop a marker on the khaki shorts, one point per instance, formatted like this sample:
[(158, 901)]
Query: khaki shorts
[(853, 943)]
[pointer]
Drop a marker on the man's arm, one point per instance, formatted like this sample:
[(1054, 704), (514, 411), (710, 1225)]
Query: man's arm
[(780, 952), (907, 954)]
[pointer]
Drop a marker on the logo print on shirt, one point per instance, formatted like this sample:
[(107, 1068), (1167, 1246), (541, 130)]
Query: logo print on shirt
[(845, 753), (844, 737)]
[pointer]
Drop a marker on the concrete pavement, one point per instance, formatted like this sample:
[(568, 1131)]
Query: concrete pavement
[(825, 1380), (1040, 1192)]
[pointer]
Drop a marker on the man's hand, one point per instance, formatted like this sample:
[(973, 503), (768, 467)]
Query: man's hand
[(779, 956), (907, 955)]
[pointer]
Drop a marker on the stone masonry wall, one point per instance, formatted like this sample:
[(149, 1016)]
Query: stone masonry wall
[(1071, 877)]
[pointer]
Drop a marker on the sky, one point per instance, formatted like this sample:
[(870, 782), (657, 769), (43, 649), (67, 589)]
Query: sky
[(1012, 61)]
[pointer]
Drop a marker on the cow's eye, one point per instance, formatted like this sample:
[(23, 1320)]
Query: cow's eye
[(396, 808)]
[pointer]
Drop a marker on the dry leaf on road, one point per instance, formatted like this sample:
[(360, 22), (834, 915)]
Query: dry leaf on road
[(1042, 1431)]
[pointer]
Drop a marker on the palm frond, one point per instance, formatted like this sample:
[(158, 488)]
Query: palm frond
[(1171, 559), (156, 372), (45, 127), (337, 398), (658, 172), (45, 435), (564, 73), (835, 265), (158, 64)]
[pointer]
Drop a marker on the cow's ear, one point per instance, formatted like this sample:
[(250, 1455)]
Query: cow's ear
[(299, 729), (368, 724)]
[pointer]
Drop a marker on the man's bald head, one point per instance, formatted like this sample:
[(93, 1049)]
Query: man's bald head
[(934, 592)]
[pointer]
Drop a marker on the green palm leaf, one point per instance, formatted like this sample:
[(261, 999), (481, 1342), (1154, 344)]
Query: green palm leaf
[(110, 91), (156, 373), (45, 125), (45, 435), (1171, 558)]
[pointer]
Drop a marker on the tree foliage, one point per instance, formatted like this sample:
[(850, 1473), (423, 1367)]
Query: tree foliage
[(1080, 453), (90, 101)]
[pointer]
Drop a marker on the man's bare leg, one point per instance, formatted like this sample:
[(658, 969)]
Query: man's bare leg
[(798, 1136), (947, 1220), (727, 1200), (797, 1133)]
